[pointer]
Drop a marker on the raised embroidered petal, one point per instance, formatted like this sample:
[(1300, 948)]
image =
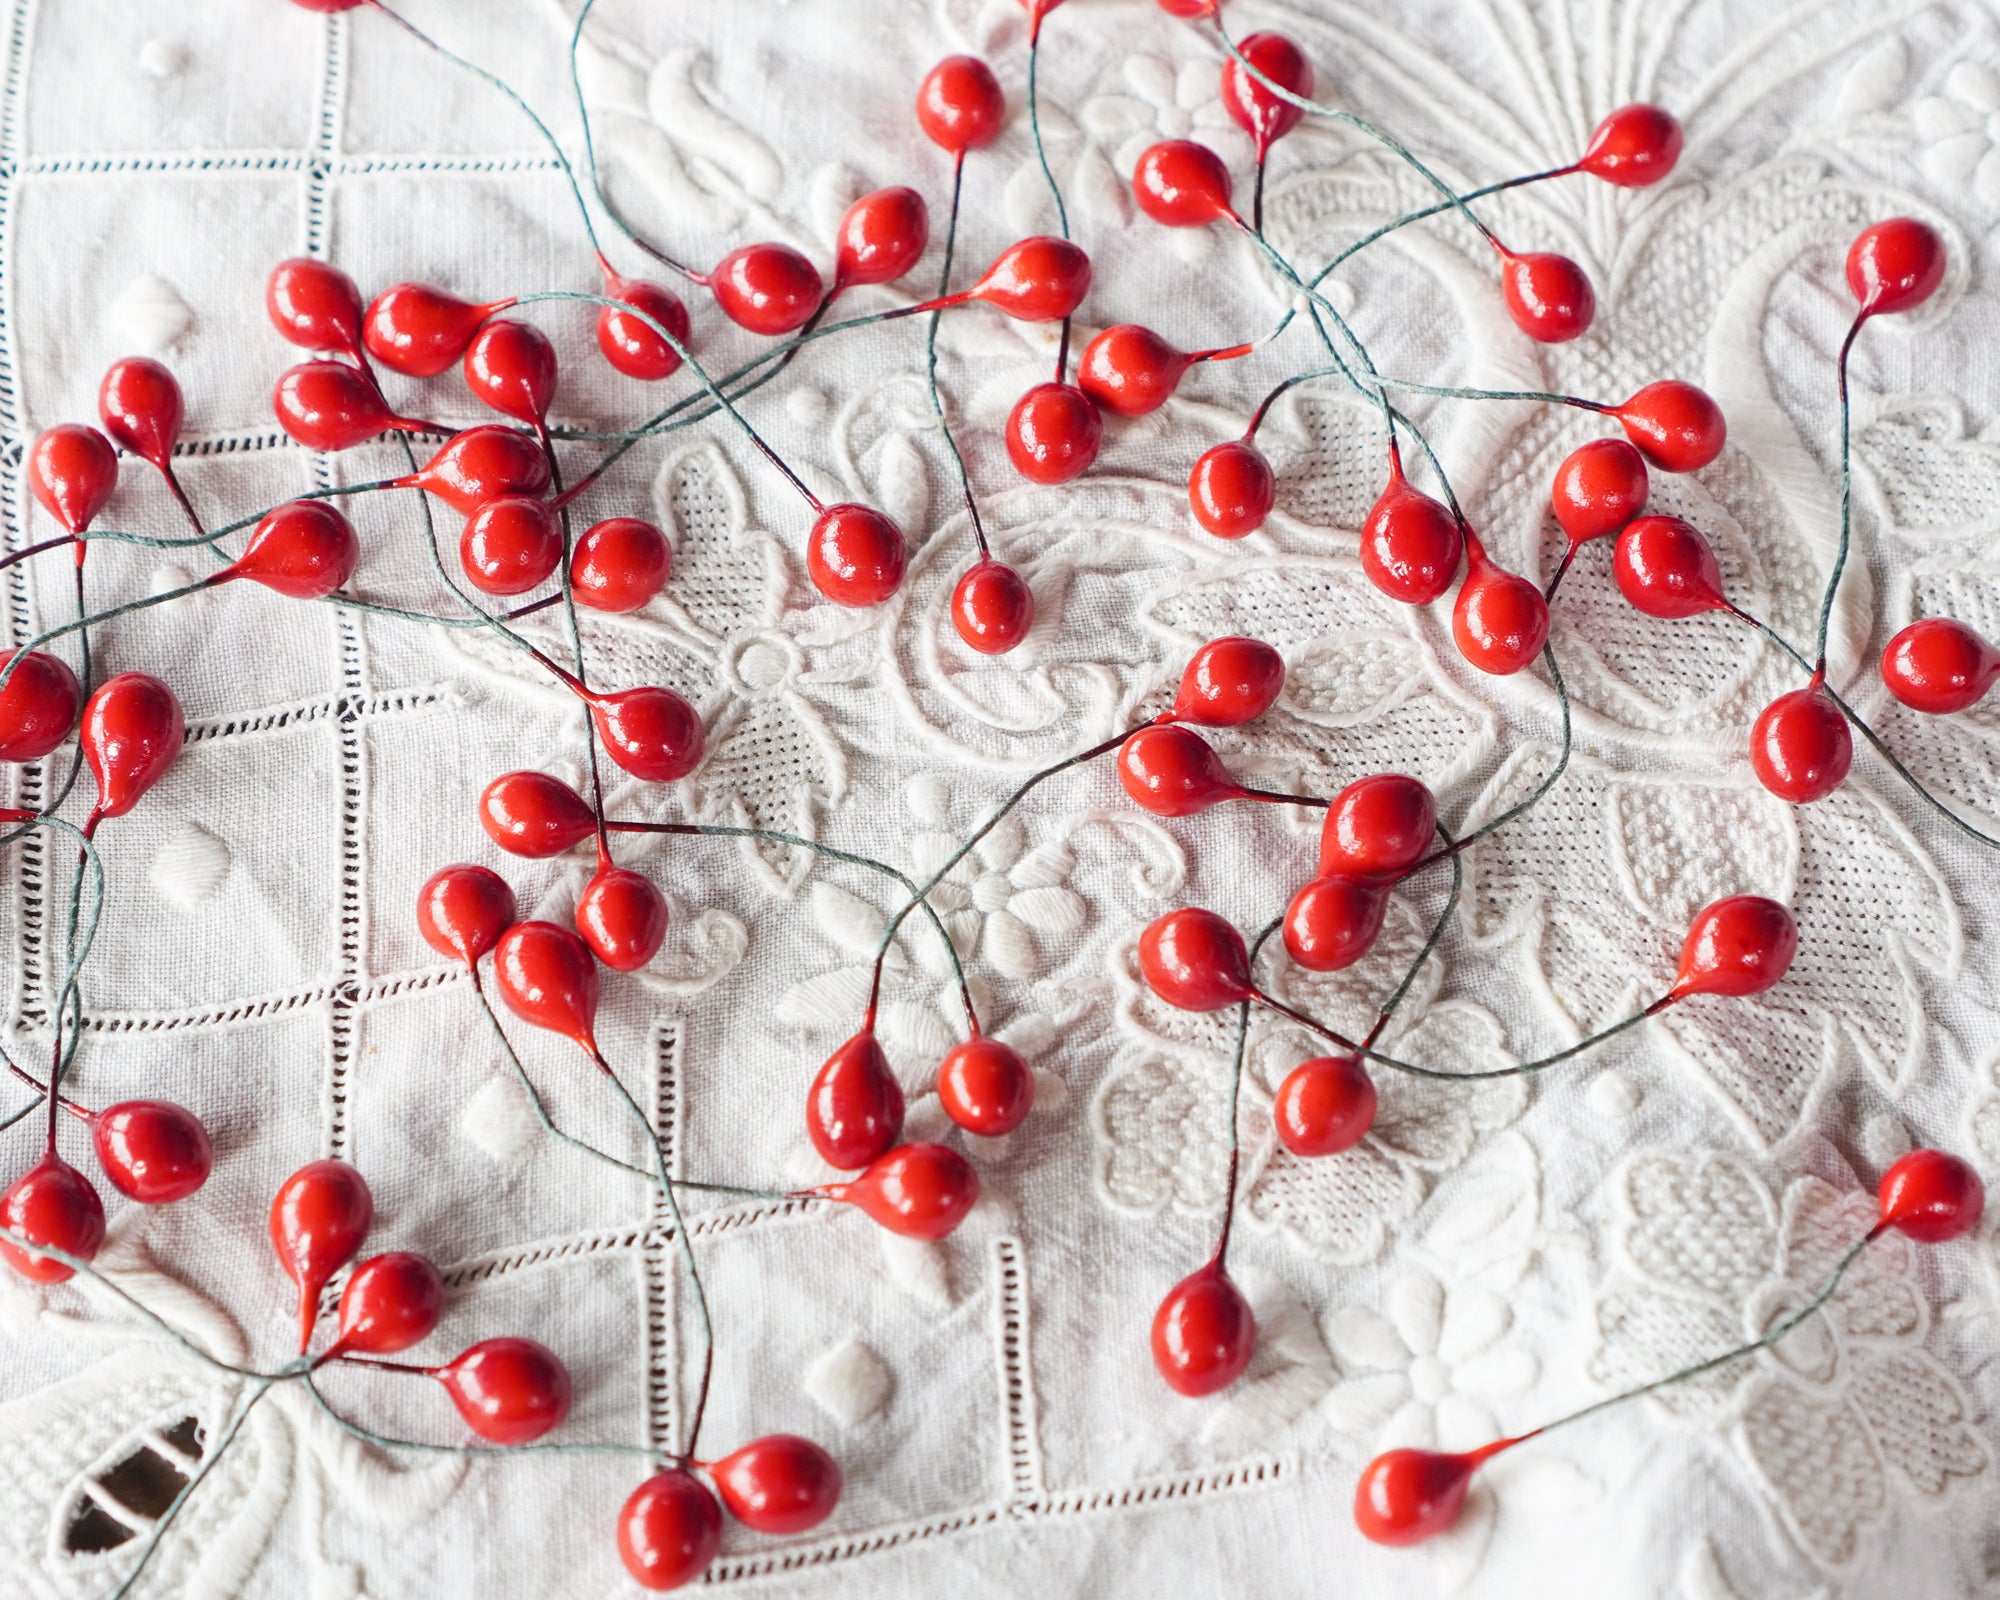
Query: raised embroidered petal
[(1111, 117), (1362, 1337), (1936, 118), (1044, 866), (1054, 912), (1151, 79), (1975, 84), (1474, 1320), (850, 1382), (1004, 846), (1463, 1423), (1953, 158), (1361, 1405), (1416, 1307), (1986, 178), (1010, 947)]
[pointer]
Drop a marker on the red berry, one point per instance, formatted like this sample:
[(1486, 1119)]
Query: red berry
[(1232, 489), (1194, 960), (1407, 1496), (1253, 107), (327, 405), (1895, 265), (419, 331), (628, 344), (391, 1302), (985, 1087), (1333, 922), (1634, 146), (53, 1205), (1189, 8), (1377, 828), (153, 1151), (881, 237), (1229, 682), (1324, 1106), (1173, 772), (315, 306), (139, 403), (510, 1391), (319, 1217), (652, 733), (1547, 295), (921, 1191), (1935, 665), (304, 549), (38, 705), (854, 1109), (778, 1484), (548, 980), (622, 917), (532, 814), (1737, 946), (855, 555), (1204, 1333), (767, 288), (1130, 370), (1599, 488), (960, 106), (1500, 620), (463, 910), (619, 564), (131, 732), (482, 464), (669, 1530), (509, 545), (1666, 569), (1410, 544), (1038, 279), (511, 366), (72, 470), (992, 607), (1932, 1196), (1800, 746), (1053, 433), (1182, 184), (1675, 425)]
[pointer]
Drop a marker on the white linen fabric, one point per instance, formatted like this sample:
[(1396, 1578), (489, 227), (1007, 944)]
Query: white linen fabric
[(1487, 1259)]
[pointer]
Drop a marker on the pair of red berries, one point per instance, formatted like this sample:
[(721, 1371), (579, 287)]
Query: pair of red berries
[(1172, 771), (854, 1107), (670, 1527), (1375, 833)]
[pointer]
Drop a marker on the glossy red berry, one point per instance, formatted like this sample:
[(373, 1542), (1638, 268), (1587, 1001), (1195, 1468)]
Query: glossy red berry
[(1499, 620), (778, 1484), (1182, 184), (768, 288), (304, 549), (960, 106), (854, 1109), (482, 464), (1676, 426), (328, 405), (1634, 146), (1666, 569), (628, 344), (619, 564), (652, 733), (1195, 960), (511, 366), (462, 910), (1053, 433), (1189, 8), (1377, 828), (669, 1530), (920, 1191), (38, 705), (153, 1151), (1038, 279), (1232, 489), (1407, 1496), (131, 732), (1333, 922), (1131, 370), (1932, 1196), (391, 1302), (881, 237), (985, 1087), (53, 1205), (72, 470), (1547, 295), (1265, 116), (1599, 488), (1737, 946), (315, 306), (531, 814), (319, 1217), (509, 545), (139, 403), (622, 917), (548, 980), (1895, 265), (510, 1391), (419, 331), (1204, 1333), (855, 555), (1172, 771), (1229, 682), (1800, 746), (1324, 1106), (992, 607), (1936, 665), (1410, 544)]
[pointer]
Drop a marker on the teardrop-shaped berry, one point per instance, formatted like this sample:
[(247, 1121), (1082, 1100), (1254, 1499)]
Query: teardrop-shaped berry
[(622, 917), (1251, 105), (669, 1530), (855, 555), (619, 564), (1377, 828), (1229, 682), (304, 549), (1500, 620), (482, 464), (1895, 265), (920, 1191), (881, 236), (327, 405), (391, 1302), (1932, 1196), (1195, 960), (1737, 946), (532, 814), (1634, 146), (854, 1109), (768, 288), (1130, 370), (1333, 922), (1676, 426), (1172, 771), (1599, 488), (72, 470), (1324, 1106), (1410, 544), (462, 910), (1204, 1333), (419, 331), (652, 733), (1407, 1496), (628, 343), (1800, 746), (778, 1484), (511, 366), (153, 1151), (1232, 489), (1053, 433), (53, 1205), (1936, 665), (315, 306), (38, 705), (1182, 184), (319, 1217), (960, 106), (510, 1391), (1666, 568), (985, 1087), (131, 733), (992, 607), (509, 545), (139, 403), (1037, 279), (548, 979), (1548, 296)]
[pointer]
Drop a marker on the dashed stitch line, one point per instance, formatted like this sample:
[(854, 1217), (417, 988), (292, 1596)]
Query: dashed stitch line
[(1021, 1449)]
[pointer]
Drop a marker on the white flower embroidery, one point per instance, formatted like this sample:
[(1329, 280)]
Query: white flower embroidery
[(1960, 130), (1011, 903)]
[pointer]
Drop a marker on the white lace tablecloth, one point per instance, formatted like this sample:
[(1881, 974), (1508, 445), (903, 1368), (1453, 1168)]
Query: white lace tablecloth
[(1487, 1259)]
